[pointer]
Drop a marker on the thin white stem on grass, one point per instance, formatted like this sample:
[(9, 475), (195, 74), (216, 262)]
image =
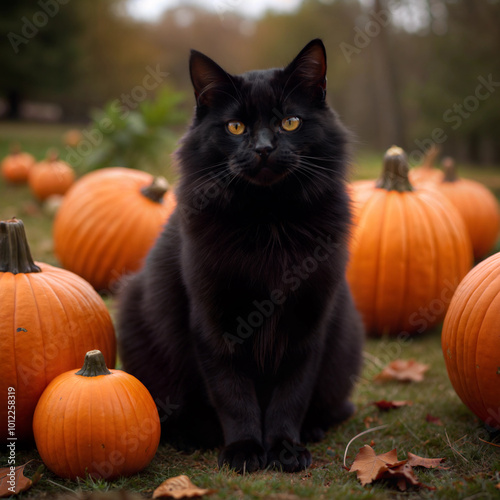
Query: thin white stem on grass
[(361, 434)]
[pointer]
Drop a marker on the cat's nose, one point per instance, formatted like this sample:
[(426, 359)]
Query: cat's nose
[(263, 144), (264, 150)]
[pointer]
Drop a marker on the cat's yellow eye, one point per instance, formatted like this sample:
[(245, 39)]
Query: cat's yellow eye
[(291, 123), (236, 127)]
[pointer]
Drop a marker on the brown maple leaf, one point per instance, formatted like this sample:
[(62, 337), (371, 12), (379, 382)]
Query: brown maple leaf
[(391, 405), (428, 463), (13, 481), (369, 466), (403, 370), (179, 487), (404, 476)]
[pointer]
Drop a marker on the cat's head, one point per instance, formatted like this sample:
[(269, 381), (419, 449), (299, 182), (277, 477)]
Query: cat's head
[(264, 128)]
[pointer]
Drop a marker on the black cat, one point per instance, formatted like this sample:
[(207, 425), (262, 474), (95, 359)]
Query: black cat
[(241, 323)]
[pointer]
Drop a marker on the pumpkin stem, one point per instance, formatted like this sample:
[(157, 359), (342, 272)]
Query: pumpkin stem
[(395, 172), (450, 171), (94, 365), (15, 254), (156, 190), (430, 156)]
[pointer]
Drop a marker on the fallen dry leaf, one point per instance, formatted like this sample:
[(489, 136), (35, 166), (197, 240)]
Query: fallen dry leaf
[(404, 476), (179, 487), (428, 463), (433, 420), (403, 370), (369, 466), (16, 483), (391, 405)]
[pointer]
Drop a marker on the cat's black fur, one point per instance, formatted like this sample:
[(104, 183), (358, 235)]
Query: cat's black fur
[(241, 324)]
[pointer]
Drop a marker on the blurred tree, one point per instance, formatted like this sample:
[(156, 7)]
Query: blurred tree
[(38, 49)]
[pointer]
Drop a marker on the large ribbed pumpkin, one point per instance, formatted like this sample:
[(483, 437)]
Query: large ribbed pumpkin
[(476, 204), (50, 176), (16, 166), (108, 222), (409, 251), (96, 421), (471, 341), (49, 319)]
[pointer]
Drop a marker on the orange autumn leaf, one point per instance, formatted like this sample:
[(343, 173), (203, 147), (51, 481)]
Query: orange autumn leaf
[(428, 463), (403, 370), (391, 405), (179, 487), (369, 466), (16, 482)]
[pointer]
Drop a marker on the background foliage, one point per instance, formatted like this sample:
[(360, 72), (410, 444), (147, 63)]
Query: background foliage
[(398, 70)]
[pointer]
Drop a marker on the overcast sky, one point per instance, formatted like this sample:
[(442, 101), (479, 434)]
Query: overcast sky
[(152, 9)]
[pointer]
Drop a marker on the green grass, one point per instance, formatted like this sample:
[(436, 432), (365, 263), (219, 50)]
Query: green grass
[(473, 465)]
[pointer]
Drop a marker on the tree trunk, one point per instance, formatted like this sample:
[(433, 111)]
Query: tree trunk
[(14, 104)]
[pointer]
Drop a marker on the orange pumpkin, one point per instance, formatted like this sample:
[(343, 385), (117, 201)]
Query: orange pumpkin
[(50, 176), (471, 341), (108, 222), (16, 166), (409, 251), (476, 204), (96, 421), (427, 173), (49, 319)]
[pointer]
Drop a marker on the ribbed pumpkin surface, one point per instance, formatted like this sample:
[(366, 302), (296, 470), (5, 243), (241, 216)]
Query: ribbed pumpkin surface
[(105, 425), (106, 226), (479, 210), (49, 177), (471, 341), (409, 251), (16, 167), (48, 321)]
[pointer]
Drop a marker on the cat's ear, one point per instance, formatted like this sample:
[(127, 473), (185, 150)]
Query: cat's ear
[(309, 67), (208, 78)]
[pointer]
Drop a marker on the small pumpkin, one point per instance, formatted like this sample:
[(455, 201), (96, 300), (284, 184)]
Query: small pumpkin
[(108, 221), (470, 341), (49, 319), (477, 206), (96, 421), (17, 165), (427, 173), (50, 176), (409, 248)]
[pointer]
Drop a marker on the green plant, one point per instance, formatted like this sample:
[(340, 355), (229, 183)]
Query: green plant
[(136, 138)]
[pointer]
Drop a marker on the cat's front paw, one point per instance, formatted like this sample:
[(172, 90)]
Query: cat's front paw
[(243, 456), (288, 456)]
